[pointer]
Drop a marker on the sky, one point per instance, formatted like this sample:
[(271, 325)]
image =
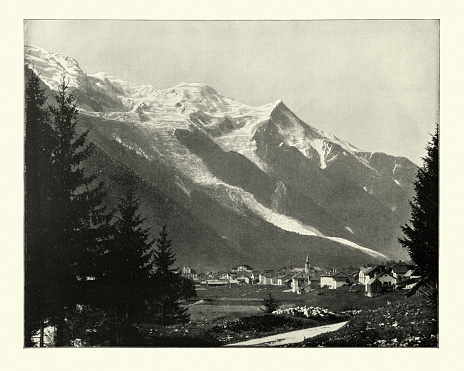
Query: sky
[(374, 84)]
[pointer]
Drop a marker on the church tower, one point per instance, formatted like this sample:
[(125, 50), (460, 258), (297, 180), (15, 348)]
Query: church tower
[(307, 270)]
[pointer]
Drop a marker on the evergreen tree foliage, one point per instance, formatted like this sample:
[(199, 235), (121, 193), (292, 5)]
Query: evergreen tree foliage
[(66, 222), (187, 288), (167, 309), (79, 218), (421, 235), (128, 266), (270, 303), (37, 172), (164, 257)]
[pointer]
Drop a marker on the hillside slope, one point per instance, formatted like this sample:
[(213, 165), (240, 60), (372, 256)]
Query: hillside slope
[(236, 183)]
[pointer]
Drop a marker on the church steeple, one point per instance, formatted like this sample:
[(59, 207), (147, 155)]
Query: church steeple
[(307, 265)]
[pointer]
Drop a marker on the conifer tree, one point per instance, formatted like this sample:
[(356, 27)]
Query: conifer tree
[(167, 309), (38, 140), (270, 303), (79, 216), (64, 244), (421, 236), (128, 265)]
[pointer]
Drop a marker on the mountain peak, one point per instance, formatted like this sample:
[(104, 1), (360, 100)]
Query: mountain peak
[(196, 86), (257, 170), (53, 66)]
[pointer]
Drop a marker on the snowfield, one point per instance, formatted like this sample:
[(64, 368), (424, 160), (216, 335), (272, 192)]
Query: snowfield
[(198, 105)]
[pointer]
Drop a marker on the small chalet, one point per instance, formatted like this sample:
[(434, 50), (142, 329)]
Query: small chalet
[(335, 281), (422, 287), (368, 273), (380, 284), (265, 276), (386, 279), (399, 270)]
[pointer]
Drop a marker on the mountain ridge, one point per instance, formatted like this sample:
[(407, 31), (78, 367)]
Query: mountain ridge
[(260, 162)]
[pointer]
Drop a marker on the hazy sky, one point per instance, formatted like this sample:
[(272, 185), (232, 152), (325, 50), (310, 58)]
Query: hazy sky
[(374, 84)]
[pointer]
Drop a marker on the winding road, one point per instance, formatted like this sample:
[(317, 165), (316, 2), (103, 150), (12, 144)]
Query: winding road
[(289, 337)]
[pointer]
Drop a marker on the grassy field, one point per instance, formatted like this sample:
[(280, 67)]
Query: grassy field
[(227, 304), (223, 315), (218, 303)]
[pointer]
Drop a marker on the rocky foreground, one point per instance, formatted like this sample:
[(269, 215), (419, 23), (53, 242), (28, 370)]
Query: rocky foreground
[(409, 324)]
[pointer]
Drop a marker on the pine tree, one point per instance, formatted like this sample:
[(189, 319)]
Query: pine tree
[(79, 215), (67, 226), (128, 267), (421, 237), (167, 309), (37, 173), (270, 303)]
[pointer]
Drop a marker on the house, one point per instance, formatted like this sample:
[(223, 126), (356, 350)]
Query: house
[(407, 284), (399, 270), (232, 275), (387, 280), (422, 287), (299, 281), (380, 284), (213, 275), (264, 276), (284, 280), (224, 276), (335, 281), (189, 273), (373, 287), (243, 279), (362, 279), (254, 277), (242, 268), (315, 281), (274, 280), (412, 273), (368, 273)]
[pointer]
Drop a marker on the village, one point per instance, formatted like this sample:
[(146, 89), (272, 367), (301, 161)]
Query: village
[(372, 280)]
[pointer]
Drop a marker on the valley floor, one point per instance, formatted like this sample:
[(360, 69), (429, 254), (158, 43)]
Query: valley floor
[(235, 317)]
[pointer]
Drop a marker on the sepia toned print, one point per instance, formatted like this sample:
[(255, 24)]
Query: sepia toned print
[(212, 183)]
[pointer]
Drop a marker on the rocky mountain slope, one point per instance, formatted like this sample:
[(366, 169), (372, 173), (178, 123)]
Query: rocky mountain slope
[(234, 183)]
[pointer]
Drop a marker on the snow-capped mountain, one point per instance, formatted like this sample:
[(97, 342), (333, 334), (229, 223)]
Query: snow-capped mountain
[(260, 183)]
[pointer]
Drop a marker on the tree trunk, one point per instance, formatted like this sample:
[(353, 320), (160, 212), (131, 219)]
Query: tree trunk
[(116, 326), (60, 332), (41, 341)]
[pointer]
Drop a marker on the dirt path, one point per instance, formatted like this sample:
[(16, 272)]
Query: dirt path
[(289, 337)]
